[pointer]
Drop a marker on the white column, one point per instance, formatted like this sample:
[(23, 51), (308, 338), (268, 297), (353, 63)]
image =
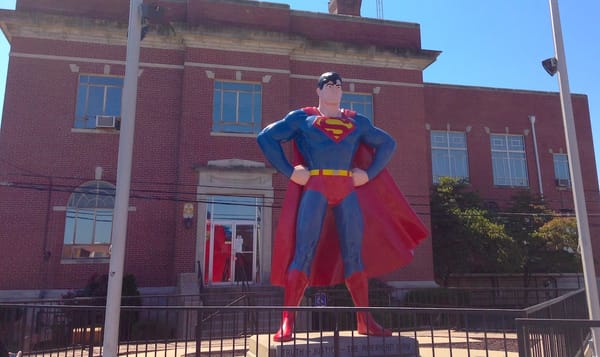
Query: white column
[(119, 228)]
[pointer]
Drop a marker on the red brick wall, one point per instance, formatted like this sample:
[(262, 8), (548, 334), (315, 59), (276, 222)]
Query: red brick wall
[(328, 28), (173, 133), (111, 9), (246, 14), (118, 10), (37, 124), (500, 109), (255, 14)]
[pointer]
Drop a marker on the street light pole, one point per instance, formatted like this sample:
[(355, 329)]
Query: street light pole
[(119, 228), (585, 245)]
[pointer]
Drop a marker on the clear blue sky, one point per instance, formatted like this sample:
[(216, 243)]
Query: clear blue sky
[(483, 43)]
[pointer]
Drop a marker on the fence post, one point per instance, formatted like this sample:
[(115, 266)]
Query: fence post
[(198, 333), (522, 339), (336, 335)]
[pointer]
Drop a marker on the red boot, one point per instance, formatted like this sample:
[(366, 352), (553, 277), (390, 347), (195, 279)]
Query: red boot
[(296, 282), (358, 286)]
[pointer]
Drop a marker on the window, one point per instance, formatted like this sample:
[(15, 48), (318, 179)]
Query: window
[(449, 155), (237, 107), (98, 101), (561, 170), (88, 224), (508, 160), (234, 208), (361, 103)]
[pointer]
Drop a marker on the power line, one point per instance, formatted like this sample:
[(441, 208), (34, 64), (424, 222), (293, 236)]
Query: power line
[(51, 181), (165, 196), (169, 193)]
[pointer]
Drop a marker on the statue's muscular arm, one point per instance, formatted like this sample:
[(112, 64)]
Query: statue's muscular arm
[(383, 144), (270, 139)]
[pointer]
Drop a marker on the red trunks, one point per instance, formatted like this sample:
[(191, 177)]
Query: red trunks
[(334, 188)]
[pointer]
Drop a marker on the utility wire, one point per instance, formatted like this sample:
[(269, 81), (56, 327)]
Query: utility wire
[(160, 196), (137, 185)]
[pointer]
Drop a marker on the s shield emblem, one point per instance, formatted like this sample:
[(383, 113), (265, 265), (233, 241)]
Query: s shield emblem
[(335, 128)]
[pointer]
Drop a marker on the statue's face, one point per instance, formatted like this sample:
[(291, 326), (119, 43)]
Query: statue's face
[(331, 93)]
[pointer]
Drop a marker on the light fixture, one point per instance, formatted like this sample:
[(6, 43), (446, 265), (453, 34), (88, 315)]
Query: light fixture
[(550, 65), (188, 215), (152, 12)]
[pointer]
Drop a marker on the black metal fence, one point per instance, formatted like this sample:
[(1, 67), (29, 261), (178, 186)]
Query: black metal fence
[(556, 328), (556, 337), (165, 326), (45, 330)]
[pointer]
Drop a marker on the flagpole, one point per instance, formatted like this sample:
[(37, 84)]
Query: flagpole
[(585, 246), (119, 228)]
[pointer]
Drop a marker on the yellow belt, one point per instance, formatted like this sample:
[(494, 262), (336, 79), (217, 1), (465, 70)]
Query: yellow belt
[(330, 172)]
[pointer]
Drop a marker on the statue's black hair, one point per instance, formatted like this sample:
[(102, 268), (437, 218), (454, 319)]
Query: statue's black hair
[(327, 77)]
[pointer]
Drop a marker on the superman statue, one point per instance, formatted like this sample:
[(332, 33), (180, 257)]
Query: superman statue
[(339, 196)]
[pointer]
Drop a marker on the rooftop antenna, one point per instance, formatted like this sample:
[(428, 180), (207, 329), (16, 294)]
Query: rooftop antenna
[(379, 6)]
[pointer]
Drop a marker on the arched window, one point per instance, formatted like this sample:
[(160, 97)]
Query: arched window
[(88, 223)]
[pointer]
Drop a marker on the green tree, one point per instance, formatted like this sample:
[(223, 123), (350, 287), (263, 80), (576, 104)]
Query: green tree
[(525, 216), (465, 238), (561, 245)]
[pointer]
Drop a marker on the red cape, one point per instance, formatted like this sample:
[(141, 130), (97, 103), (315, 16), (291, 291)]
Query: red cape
[(391, 231)]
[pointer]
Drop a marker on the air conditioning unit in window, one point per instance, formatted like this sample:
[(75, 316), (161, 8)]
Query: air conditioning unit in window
[(108, 121), (563, 182)]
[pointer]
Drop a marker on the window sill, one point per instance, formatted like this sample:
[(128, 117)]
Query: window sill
[(563, 188), (239, 135), (67, 261), (96, 131), (513, 187)]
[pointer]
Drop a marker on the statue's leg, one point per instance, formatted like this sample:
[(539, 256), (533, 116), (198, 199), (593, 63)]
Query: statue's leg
[(295, 285), (309, 222), (350, 227), (311, 214), (358, 286), (349, 224)]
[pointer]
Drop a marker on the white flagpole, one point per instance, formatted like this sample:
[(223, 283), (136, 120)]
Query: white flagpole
[(119, 227), (585, 245)]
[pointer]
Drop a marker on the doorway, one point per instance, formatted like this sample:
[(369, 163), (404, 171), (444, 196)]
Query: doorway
[(231, 244)]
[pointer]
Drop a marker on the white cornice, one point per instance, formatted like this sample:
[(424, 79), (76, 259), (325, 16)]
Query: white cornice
[(237, 68), (44, 26), (238, 39), (364, 56), (94, 60), (224, 38)]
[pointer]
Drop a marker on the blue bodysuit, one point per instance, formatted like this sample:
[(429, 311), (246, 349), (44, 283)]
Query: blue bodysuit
[(328, 147)]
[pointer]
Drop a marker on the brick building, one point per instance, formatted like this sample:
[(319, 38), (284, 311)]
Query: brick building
[(202, 197)]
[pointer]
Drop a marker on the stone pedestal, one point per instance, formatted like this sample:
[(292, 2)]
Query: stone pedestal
[(317, 344)]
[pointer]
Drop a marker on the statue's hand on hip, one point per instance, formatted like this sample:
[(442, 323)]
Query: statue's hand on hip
[(359, 177), (300, 175)]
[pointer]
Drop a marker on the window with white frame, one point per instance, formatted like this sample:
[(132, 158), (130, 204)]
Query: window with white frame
[(88, 223), (509, 163), (561, 170), (361, 103), (449, 155), (237, 107), (98, 102)]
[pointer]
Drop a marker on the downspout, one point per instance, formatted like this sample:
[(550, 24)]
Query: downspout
[(46, 253), (537, 156)]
